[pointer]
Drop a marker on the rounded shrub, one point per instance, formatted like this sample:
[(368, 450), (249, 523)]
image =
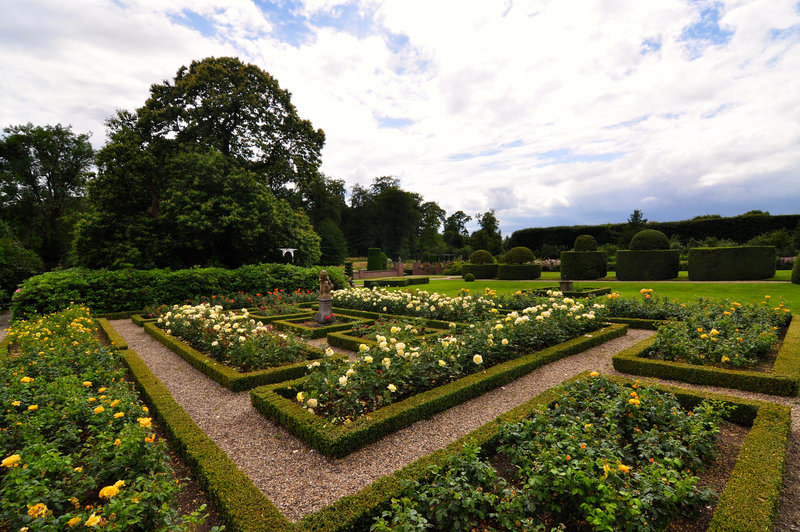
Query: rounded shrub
[(519, 255), (469, 278), (649, 239), (796, 270), (481, 257), (585, 243)]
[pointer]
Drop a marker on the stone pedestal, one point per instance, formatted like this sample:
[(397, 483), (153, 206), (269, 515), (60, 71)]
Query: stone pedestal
[(565, 286), (324, 309)]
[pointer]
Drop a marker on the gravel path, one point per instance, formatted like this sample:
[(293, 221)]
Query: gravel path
[(5, 317), (300, 481)]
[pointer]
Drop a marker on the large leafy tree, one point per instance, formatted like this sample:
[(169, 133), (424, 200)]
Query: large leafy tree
[(488, 236), (455, 230), (212, 169), (43, 174)]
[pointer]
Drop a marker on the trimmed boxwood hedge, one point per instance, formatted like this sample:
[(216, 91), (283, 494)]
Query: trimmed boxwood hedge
[(647, 265), (783, 380), (577, 265), (133, 290), (513, 272), (480, 271), (225, 375), (274, 401), (344, 340), (298, 327), (396, 281), (732, 263)]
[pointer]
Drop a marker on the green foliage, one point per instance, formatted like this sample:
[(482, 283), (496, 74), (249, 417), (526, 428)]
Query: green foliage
[(333, 246), (78, 429), (647, 265), (649, 239), (488, 236), (469, 277), (16, 265), (583, 264), (585, 243), (43, 174), (376, 259), (731, 264), (519, 255), (118, 290), (480, 271), (481, 257), (454, 268), (455, 230), (518, 271), (796, 271)]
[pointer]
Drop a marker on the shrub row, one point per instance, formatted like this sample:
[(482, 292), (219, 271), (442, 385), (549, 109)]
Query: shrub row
[(297, 326), (513, 272), (784, 379), (239, 502), (340, 440), (225, 375), (396, 281), (133, 290), (731, 264), (344, 340), (480, 271)]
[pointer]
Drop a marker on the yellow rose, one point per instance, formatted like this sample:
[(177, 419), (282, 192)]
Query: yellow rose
[(93, 520), (33, 407), (11, 460)]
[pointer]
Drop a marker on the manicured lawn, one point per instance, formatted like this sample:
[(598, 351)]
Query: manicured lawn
[(683, 291)]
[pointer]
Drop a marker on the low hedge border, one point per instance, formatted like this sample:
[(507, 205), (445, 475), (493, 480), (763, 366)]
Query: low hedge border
[(274, 401), (436, 324), (107, 332), (587, 292), (117, 315), (343, 340), (226, 376), (639, 323), (288, 324), (784, 379), (271, 319), (480, 271), (518, 271), (239, 502), (742, 506), (396, 281)]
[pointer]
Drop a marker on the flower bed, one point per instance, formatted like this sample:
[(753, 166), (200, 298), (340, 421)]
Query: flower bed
[(607, 455), (416, 303), (280, 401), (77, 444), (387, 329), (783, 380), (308, 328), (231, 338), (750, 500)]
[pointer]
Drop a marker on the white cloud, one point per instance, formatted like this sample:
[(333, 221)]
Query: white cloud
[(470, 78)]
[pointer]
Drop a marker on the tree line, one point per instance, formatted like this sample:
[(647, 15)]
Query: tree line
[(215, 169)]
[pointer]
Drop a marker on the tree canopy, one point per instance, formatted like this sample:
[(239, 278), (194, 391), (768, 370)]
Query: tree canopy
[(43, 174)]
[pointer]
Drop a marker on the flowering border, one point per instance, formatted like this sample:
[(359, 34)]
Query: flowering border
[(749, 502), (288, 324), (784, 380), (275, 401), (344, 340), (225, 375)]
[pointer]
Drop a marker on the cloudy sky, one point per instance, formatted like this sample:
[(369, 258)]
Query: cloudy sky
[(551, 112)]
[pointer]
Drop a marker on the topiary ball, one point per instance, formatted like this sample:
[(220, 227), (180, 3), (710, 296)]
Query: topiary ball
[(585, 243), (481, 257), (519, 255), (796, 270), (649, 239), (469, 278)]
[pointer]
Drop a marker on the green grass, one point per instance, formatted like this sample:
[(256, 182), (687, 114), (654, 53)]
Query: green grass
[(681, 291)]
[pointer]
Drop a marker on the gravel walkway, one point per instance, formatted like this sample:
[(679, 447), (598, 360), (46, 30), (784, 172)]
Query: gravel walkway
[(300, 481), (5, 317)]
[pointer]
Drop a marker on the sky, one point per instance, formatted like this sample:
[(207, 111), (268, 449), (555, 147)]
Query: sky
[(550, 112)]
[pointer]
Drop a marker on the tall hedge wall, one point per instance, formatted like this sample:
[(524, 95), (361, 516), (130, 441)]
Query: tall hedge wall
[(480, 271), (119, 290), (737, 228), (647, 265), (732, 264), (581, 265)]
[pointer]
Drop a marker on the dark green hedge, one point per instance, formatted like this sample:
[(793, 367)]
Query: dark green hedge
[(480, 271), (133, 290), (396, 281), (583, 264), (343, 340), (274, 401), (376, 259), (783, 380), (732, 264), (796, 271), (513, 272), (225, 375), (647, 265)]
